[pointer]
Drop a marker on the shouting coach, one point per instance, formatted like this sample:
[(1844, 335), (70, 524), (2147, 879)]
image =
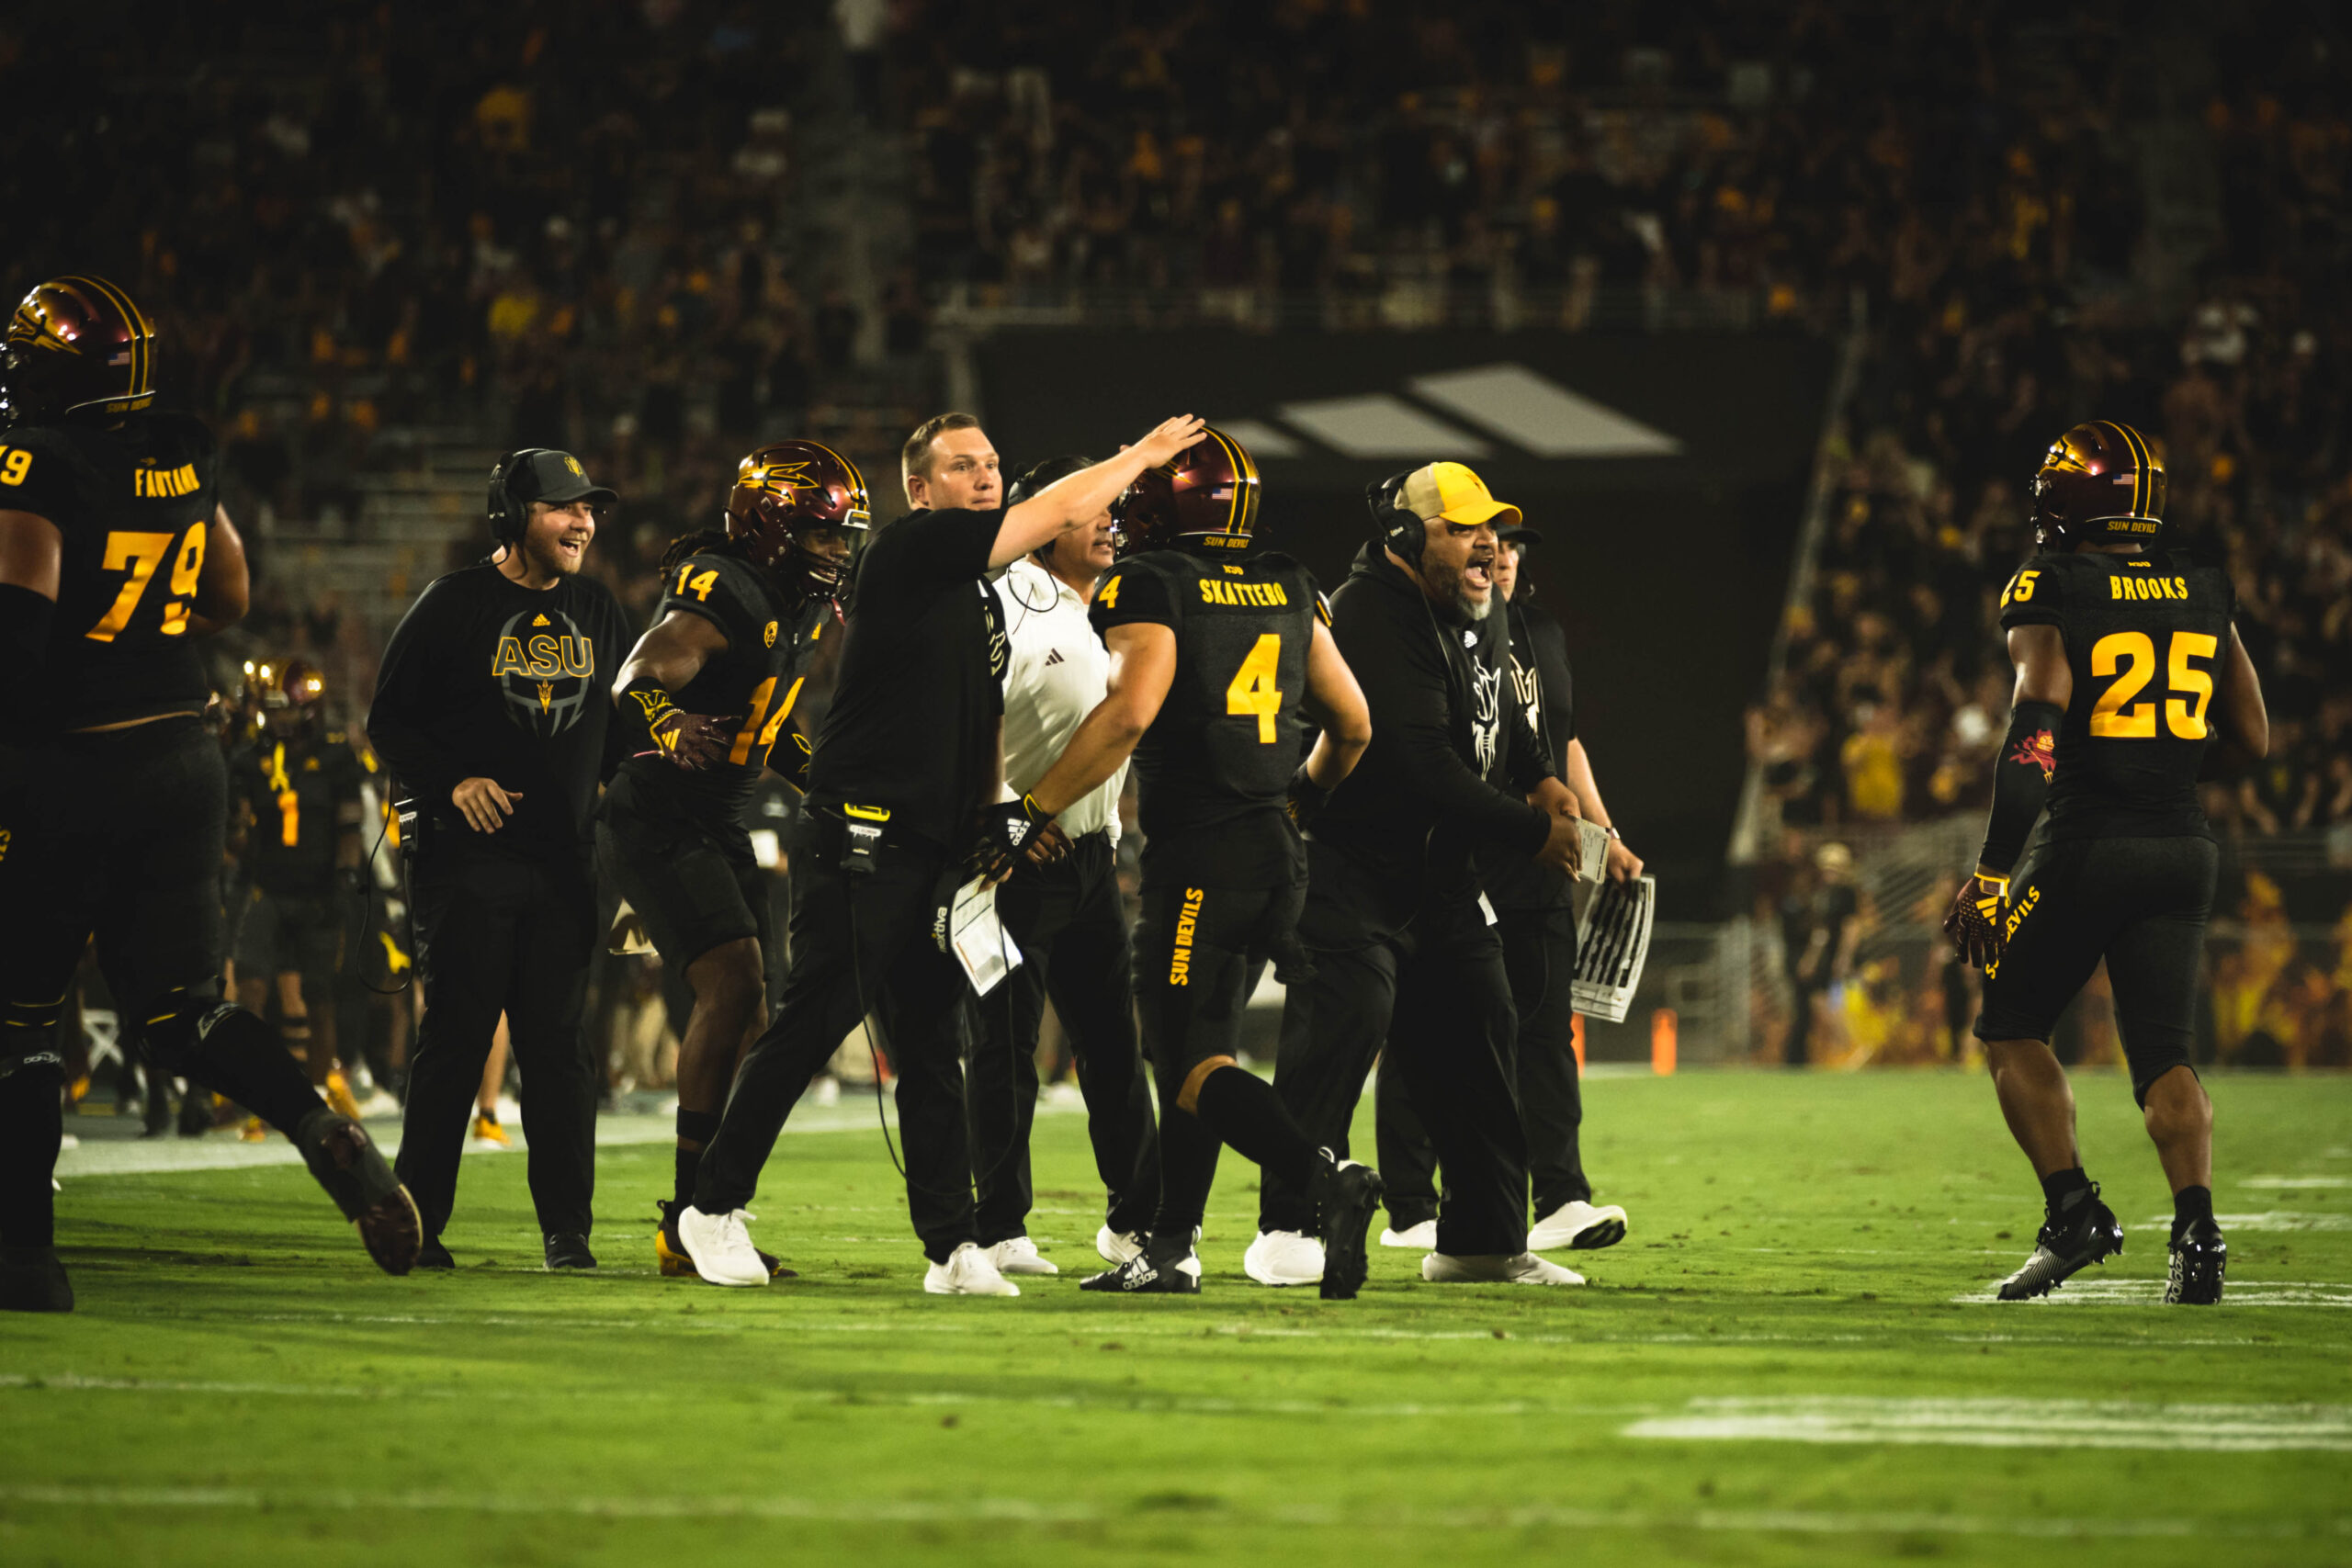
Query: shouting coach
[(1406, 962), (909, 756), (492, 709)]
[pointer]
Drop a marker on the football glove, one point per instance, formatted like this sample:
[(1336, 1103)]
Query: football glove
[(1974, 923), (1006, 829), (1306, 800)]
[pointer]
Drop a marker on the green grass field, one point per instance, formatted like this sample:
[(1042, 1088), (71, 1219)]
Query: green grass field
[(1777, 1366)]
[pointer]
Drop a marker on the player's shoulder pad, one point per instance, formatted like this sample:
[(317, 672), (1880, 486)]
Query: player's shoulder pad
[(2035, 591), (1138, 588)]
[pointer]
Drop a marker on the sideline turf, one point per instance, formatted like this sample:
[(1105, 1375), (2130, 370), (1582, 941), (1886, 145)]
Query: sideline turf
[(1795, 1239)]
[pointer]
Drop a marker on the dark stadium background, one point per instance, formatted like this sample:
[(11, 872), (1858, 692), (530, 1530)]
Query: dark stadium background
[(1862, 261)]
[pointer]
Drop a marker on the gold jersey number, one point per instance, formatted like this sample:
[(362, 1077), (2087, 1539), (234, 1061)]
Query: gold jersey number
[(2115, 717), (142, 557), (1253, 690)]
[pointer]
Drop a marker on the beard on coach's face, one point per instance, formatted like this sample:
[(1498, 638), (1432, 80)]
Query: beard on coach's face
[(555, 538), (1459, 572)]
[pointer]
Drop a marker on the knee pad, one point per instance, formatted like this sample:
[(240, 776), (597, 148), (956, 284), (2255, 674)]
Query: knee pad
[(28, 1036)]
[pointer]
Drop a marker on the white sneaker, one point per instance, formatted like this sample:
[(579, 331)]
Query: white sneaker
[(1019, 1256), (967, 1272), (1285, 1257), (1423, 1237), (721, 1247), (1493, 1269), (1118, 1247), (1578, 1224)]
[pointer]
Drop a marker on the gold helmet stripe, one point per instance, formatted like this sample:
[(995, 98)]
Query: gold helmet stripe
[(856, 475), (1243, 510), (141, 332), (2141, 480)]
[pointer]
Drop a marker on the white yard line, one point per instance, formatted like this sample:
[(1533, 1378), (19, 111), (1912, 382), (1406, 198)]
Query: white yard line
[(2011, 1423)]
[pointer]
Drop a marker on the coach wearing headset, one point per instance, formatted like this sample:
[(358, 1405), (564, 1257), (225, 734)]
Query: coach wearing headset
[(1406, 962), (492, 709)]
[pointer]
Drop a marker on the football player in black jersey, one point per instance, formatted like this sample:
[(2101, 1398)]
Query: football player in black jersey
[(2128, 667), (298, 791), (1216, 650), (708, 694), (115, 557)]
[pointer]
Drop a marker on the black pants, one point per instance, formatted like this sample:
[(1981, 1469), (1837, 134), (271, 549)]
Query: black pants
[(861, 943), (1434, 1002), (2141, 905), (1539, 957), (120, 836), (1071, 926), (502, 933)]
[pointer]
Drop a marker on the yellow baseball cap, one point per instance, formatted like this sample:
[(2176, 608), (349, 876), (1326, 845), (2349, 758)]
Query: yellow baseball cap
[(1453, 492)]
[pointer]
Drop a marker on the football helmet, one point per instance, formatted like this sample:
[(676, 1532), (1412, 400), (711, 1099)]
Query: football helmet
[(789, 494), (1210, 492), (292, 694), (2100, 481), (77, 345)]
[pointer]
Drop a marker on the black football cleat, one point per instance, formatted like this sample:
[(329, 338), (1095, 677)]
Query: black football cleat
[(32, 1279), (344, 1158), (1347, 1196), (568, 1250), (2085, 1233), (433, 1255), (2199, 1256), (1162, 1268)]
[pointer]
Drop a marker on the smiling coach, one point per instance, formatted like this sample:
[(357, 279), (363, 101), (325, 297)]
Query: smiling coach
[(491, 708)]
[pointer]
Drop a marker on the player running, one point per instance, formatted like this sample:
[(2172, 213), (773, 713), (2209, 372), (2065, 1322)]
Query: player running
[(2127, 661), (707, 692), (115, 557), (298, 786), (1215, 650)]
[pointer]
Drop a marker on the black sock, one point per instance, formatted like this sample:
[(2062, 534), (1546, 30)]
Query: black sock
[(232, 1053), (695, 1127), (2059, 1188), (1188, 1151), (32, 1128), (1243, 1109), (2190, 1205)]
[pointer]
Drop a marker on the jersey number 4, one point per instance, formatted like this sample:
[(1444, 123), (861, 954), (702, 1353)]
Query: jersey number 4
[(1253, 690), (141, 555), (2116, 716)]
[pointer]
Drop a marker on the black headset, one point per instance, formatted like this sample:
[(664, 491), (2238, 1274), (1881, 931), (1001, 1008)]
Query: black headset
[(507, 521), (1394, 524)]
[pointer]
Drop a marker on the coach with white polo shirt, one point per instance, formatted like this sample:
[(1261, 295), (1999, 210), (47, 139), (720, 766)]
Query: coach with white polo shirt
[(1067, 917)]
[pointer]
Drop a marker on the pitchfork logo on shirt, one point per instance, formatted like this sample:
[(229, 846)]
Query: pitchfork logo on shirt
[(543, 665)]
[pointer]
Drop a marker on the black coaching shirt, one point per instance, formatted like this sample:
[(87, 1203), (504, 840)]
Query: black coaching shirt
[(1215, 768), (484, 677), (756, 680), (912, 729), (2145, 636), (134, 502), (1542, 685)]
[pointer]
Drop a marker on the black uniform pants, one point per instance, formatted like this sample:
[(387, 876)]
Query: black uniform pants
[(1071, 925), (1433, 1002), (861, 944), (1539, 957), (502, 933)]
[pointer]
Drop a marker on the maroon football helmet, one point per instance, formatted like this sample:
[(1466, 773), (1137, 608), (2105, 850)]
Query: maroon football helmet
[(787, 496), (1210, 492), (77, 345), (2100, 481)]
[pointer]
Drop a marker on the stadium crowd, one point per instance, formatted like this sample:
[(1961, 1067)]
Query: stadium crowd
[(350, 230)]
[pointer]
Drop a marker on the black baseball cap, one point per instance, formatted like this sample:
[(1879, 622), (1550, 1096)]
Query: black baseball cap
[(1520, 533), (545, 474)]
